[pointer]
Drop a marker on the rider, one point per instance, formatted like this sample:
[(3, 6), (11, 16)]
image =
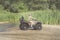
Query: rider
[(31, 20)]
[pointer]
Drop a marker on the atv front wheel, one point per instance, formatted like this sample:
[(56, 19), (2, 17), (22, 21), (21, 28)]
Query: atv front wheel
[(38, 26)]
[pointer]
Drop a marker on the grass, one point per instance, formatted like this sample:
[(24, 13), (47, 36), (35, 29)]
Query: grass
[(45, 16)]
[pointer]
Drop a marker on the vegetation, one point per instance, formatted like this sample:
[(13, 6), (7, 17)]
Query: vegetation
[(45, 16), (25, 5), (46, 11)]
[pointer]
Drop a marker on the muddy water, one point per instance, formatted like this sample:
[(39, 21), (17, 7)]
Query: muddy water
[(5, 26), (49, 32)]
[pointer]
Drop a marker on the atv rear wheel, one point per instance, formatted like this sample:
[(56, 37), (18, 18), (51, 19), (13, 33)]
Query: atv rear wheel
[(24, 26)]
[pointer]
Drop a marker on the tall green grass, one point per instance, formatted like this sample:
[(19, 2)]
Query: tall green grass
[(45, 16)]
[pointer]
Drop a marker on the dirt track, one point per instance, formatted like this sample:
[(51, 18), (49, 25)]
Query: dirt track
[(49, 32)]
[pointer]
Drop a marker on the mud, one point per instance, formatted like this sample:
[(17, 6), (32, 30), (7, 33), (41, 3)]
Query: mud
[(12, 32)]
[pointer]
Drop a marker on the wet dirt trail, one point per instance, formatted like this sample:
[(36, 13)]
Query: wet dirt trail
[(11, 32)]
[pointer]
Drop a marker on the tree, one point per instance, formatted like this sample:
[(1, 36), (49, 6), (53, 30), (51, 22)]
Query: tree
[(58, 4), (36, 4)]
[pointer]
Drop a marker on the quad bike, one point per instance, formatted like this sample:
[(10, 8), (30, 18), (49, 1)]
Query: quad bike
[(35, 25)]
